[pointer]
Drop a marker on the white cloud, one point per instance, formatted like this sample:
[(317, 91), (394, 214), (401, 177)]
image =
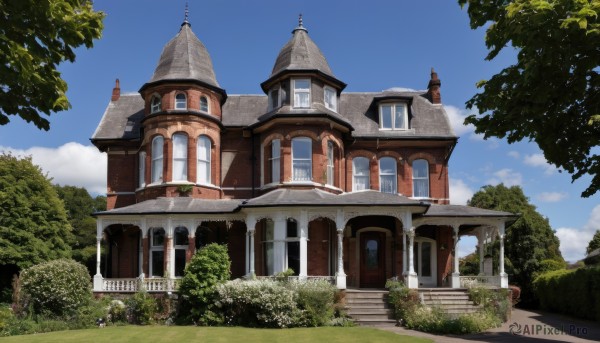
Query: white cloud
[(70, 164), (573, 242), (514, 154), (506, 176), (539, 161), (460, 192), (457, 117), (552, 196)]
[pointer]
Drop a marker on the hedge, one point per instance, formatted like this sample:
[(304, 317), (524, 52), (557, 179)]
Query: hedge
[(572, 292)]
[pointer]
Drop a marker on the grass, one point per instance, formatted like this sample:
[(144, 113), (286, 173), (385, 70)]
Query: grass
[(115, 334)]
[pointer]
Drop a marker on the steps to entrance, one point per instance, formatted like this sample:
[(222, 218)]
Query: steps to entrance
[(454, 301), (369, 307)]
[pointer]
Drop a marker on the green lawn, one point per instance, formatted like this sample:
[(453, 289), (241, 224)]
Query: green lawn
[(210, 334)]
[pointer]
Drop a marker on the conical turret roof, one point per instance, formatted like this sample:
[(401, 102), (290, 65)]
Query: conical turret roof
[(302, 54), (185, 58)]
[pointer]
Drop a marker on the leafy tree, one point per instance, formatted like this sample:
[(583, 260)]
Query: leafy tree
[(80, 205), (36, 36), (594, 243), (529, 240), (33, 222), (550, 95)]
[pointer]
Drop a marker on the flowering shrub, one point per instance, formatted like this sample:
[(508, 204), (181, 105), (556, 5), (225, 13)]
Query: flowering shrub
[(56, 287), (141, 308), (257, 303), (116, 311), (316, 300)]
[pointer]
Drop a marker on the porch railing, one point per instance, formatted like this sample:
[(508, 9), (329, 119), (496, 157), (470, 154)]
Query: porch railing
[(330, 279), (479, 280), (136, 284)]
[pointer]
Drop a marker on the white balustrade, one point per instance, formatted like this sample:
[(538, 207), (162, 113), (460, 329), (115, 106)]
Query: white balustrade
[(133, 285), (479, 281)]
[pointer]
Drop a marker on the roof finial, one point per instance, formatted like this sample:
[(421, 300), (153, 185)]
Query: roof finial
[(300, 26), (187, 14)]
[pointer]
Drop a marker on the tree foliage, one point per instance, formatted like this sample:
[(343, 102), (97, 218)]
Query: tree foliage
[(529, 241), (550, 95), (35, 37), (594, 243), (80, 205)]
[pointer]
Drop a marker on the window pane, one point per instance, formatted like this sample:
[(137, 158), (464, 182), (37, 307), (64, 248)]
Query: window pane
[(301, 100), (293, 256), (180, 101), (203, 104), (275, 161), (330, 99), (361, 166), (301, 159), (158, 237), (301, 148), (179, 262), (203, 166), (179, 157), (158, 263), (426, 259), (330, 163), (386, 117), (155, 105), (157, 161), (372, 254), (274, 99), (387, 165), (142, 169), (181, 236), (301, 84), (420, 168), (421, 188), (399, 119), (388, 184)]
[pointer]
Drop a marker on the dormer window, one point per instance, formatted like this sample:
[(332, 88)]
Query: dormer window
[(180, 101), (203, 104), (301, 93), (330, 97), (155, 104), (393, 116), (274, 99)]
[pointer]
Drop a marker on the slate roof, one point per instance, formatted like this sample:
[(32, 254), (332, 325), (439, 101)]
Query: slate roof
[(121, 119), (180, 205), (184, 58), (465, 211)]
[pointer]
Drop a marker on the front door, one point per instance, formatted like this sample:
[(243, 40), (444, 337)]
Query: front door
[(372, 260), (425, 260)]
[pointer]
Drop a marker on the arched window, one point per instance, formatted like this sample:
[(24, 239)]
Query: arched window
[(180, 101), (157, 252), (155, 104), (420, 173), (157, 159), (301, 159), (180, 149), (275, 161), (142, 169), (330, 163), (181, 243), (387, 175), (203, 236), (203, 104), (203, 166), (360, 174)]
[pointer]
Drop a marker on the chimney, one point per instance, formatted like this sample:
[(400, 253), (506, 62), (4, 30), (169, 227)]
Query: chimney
[(433, 88), (116, 94)]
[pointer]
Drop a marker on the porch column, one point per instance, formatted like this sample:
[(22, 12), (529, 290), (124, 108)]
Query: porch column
[(279, 236), (169, 251), (404, 254), (412, 280), (303, 273), (340, 277), (143, 263), (191, 250), (98, 280), (503, 275), (456, 272), (481, 237), (250, 230)]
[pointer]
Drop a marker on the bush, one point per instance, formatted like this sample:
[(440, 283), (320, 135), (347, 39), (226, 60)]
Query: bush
[(208, 268), (116, 312), (572, 292), (316, 301), (141, 308), (56, 287), (404, 300)]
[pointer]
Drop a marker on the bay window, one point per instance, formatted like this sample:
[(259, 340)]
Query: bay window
[(203, 164), (157, 159), (180, 157), (301, 159)]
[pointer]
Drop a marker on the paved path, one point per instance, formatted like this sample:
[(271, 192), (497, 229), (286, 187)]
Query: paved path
[(535, 327)]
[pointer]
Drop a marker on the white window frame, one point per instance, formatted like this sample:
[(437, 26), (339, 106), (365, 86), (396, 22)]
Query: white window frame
[(355, 175), (154, 248), (180, 156), (275, 161), (206, 163), (274, 92), (179, 247), (393, 175), (332, 94), (296, 160), (142, 169), (299, 91), (393, 124), (330, 164), (179, 105), (157, 159), (426, 178), (207, 110), (155, 106)]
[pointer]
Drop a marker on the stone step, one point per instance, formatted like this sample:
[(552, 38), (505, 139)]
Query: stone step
[(365, 301), (360, 318), (359, 311), (369, 305), (376, 322), (366, 295)]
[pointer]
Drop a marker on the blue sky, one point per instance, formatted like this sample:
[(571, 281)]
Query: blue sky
[(370, 45)]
